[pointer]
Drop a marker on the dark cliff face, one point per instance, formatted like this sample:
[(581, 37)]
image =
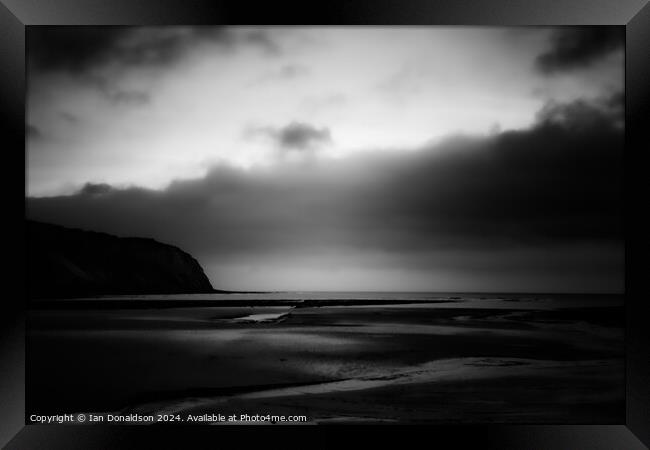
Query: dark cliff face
[(64, 262)]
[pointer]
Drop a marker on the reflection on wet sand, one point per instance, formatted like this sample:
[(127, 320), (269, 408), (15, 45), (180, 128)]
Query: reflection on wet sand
[(365, 363)]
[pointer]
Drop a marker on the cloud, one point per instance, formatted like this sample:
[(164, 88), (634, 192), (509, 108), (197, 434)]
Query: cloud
[(288, 72), (69, 118), (96, 189), (294, 136), (131, 97), (407, 80), (95, 57), (72, 49), (579, 47), (77, 50), (545, 201), (604, 111), (33, 132), (291, 71)]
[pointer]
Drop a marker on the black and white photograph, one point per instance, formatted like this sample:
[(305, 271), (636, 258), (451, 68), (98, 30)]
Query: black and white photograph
[(314, 225)]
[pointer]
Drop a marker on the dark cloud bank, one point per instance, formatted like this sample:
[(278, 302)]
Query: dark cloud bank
[(579, 47), (78, 49), (543, 203), (84, 53)]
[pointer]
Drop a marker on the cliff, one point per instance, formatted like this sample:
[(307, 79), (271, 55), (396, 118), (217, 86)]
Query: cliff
[(64, 262)]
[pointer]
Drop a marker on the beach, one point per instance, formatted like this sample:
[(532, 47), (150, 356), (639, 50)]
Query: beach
[(418, 359)]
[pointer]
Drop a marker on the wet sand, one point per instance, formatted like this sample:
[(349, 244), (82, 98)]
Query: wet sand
[(400, 363)]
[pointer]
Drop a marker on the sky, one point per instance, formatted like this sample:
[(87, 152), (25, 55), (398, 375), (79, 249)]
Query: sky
[(340, 158)]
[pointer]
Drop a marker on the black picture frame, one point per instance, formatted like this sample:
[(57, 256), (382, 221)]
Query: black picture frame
[(16, 15)]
